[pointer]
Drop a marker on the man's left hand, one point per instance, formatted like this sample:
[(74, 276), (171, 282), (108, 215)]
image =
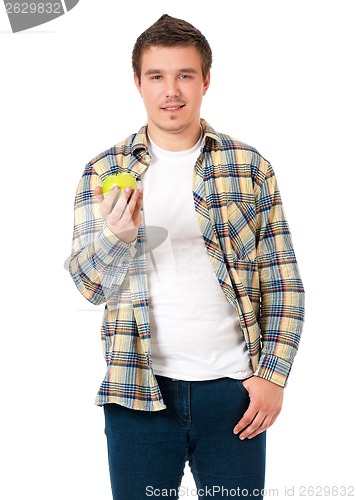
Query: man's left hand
[(266, 400)]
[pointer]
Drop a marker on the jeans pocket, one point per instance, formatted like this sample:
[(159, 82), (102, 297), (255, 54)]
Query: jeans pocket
[(242, 387)]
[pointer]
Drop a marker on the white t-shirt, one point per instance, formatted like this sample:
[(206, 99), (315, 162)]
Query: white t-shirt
[(195, 332)]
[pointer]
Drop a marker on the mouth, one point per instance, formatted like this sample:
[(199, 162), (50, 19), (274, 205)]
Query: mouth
[(172, 108)]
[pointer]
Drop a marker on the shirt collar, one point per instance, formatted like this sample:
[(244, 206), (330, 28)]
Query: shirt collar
[(141, 142)]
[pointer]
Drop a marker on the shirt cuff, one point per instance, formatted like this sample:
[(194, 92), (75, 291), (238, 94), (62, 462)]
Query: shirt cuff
[(109, 248), (274, 369)]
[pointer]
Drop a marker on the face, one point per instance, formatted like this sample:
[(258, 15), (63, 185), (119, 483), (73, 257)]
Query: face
[(172, 89)]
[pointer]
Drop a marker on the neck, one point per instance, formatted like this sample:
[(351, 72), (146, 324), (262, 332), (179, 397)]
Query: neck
[(180, 140)]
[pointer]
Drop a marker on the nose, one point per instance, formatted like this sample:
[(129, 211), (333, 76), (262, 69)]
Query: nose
[(172, 87)]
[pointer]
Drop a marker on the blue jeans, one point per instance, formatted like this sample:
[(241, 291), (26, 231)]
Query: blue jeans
[(148, 450)]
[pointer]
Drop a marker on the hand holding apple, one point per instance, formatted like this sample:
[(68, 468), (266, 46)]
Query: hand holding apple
[(121, 180), (122, 214)]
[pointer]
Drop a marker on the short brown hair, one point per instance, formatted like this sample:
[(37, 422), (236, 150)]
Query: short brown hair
[(169, 31)]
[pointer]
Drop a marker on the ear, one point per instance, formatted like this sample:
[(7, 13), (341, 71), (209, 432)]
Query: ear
[(137, 83), (206, 83)]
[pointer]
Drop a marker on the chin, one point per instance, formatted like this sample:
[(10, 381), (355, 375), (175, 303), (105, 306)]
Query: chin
[(175, 125)]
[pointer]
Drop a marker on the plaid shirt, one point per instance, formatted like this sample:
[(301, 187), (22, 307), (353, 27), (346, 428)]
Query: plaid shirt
[(240, 214)]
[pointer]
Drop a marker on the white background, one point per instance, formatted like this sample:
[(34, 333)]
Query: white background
[(283, 80)]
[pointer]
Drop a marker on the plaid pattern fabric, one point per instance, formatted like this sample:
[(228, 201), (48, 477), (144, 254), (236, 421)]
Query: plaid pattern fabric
[(240, 214)]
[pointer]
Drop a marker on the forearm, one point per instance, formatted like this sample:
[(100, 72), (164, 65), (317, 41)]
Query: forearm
[(101, 266), (281, 287), (281, 321)]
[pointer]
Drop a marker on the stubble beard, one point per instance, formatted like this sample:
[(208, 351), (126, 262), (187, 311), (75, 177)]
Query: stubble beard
[(172, 128)]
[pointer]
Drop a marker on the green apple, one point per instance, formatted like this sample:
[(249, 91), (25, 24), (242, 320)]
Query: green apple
[(120, 180)]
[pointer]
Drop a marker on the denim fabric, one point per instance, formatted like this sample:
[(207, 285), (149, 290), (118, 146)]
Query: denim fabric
[(148, 450)]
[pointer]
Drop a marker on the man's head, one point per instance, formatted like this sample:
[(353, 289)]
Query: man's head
[(171, 62), (169, 32)]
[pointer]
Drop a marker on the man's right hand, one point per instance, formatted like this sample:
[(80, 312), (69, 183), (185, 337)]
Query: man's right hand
[(123, 217)]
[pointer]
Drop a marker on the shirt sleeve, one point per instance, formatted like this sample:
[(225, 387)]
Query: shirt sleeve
[(99, 260), (282, 292)]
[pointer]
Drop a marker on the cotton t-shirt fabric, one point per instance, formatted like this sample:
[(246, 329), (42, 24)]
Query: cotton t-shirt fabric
[(195, 332)]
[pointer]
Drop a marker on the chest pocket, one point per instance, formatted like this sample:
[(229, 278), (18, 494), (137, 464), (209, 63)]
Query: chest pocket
[(242, 229)]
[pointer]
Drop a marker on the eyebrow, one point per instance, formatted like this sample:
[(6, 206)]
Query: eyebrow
[(183, 70)]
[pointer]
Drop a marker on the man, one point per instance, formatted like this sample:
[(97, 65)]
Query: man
[(204, 302)]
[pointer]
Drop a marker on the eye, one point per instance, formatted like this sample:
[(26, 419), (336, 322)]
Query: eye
[(156, 77), (185, 77)]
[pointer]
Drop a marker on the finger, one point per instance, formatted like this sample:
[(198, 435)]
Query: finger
[(119, 209), (256, 423), (132, 207), (112, 201), (264, 425), (117, 215), (246, 419), (137, 215)]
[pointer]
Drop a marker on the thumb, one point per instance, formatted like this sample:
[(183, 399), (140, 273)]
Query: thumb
[(98, 193)]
